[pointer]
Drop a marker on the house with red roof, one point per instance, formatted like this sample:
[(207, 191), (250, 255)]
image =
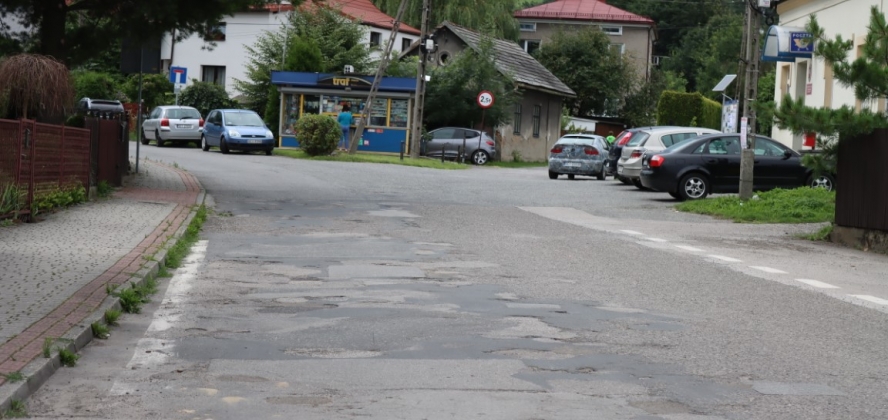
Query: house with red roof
[(227, 59), (631, 34)]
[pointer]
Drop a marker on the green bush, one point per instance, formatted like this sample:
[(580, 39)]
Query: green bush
[(56, 197), (156, 90), (678, 108), (95, 85), (318, 134), (206, 97)]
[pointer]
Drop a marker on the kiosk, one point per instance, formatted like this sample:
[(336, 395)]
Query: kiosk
[(305, 93)]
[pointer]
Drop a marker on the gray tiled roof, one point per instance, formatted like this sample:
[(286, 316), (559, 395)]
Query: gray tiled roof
[(513, 61)]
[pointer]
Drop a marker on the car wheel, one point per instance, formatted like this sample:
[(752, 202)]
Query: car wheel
[(602, 175), (693, 186), (571, 176), (268, 152), (624, 180), (823, 181), (159, 140), (553, 175), (203, 144), (480, 157), (223, 146), (144, 138)]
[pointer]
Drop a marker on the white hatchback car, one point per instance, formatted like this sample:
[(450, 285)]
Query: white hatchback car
[(649, 141), (172, 123)]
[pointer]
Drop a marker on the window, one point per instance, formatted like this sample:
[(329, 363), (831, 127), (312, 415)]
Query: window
[(529, 27), (677, 138), (444, 133), (213, 74), (536, 120), (530, 45), (612, 30), (216, 33), (405, 44), (620, 48), (375, 39), (725, 146), (766, 148), (516, 120)]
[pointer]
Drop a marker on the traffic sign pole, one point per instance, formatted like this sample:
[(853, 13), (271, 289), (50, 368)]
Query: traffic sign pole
[(485, 100)]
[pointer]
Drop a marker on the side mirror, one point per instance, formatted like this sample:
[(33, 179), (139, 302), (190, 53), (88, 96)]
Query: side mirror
[(787, 154)]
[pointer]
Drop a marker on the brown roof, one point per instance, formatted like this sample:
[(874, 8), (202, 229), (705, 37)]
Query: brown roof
[(586, 10)]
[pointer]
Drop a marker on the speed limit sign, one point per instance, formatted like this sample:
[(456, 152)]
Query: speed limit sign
[(485, 99)]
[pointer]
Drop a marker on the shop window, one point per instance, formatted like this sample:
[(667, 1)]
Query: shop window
[(516, 120), (379, 112), (405, 44), (291, 114), (398, 113), (537, 109), (216, 33), (213, 74), (375, 39)]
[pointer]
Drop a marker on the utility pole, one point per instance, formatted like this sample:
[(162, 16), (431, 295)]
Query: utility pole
[(380, 71), (419, 96), (747, 155)]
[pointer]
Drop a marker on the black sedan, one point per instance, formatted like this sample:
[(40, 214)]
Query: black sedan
[(708, 164)]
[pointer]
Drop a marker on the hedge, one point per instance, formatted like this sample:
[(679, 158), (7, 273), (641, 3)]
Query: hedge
[(688, 109)]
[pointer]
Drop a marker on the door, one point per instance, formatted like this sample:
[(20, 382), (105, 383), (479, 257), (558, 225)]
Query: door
[(776, 166), (438, 139), (212, 129), (722, 160), (152, 123)]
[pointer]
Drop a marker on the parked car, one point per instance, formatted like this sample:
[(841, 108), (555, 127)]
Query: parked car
[(236, 129), (172, 123), (480, 148), (616, 150), (579, 154), (695, 168), (652, 140), (96, 107)]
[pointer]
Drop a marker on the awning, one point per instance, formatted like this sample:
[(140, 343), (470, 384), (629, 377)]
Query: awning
[(787, 43)]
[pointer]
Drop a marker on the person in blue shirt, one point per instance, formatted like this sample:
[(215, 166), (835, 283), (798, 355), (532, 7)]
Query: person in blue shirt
[(345, 121)]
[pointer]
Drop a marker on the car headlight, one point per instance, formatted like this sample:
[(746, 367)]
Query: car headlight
[(233, 133), (269, 134)]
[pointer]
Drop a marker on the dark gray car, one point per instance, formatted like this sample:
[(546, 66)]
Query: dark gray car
[(449, 141)]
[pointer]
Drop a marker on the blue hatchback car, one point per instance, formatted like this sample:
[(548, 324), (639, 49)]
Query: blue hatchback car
[(236, 129)]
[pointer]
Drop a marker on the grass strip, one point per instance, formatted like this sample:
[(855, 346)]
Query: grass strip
[(799, 205), (183, 245), (372, 158)]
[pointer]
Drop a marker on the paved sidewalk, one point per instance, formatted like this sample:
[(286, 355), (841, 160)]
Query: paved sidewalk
[(53, 274)]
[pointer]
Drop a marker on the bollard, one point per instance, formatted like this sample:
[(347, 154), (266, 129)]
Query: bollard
[(402, 149)]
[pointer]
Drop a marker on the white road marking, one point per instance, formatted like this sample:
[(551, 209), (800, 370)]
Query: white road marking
[(872, 299), (724, 258), (767, 269), (818, 284), (631, 232), (150, 350), (655, 239), (689, 248)]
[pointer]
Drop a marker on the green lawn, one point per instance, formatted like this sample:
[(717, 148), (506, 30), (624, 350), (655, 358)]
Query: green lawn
[(373, 158), (800, 205)]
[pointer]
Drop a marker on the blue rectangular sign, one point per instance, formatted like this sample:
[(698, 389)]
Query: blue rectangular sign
[(801, 42), (178, 73)]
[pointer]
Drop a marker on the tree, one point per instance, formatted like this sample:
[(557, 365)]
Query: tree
[(585, 61), (867, 75), (708, 52), (90, 84), (206, 96), (452, 93), (156, 90), (471, 14), (103, 22), (640, 107), (36, 87)]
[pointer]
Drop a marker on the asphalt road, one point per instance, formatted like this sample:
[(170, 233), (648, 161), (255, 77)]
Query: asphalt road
[(336, 290)]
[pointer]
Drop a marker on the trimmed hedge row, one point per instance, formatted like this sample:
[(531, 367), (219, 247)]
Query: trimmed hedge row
[(688, 109)]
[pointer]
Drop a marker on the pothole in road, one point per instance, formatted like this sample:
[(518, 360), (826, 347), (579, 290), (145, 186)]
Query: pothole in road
[(661, 407), (531, 354), (296, 400), (332, 353), (295, 309)]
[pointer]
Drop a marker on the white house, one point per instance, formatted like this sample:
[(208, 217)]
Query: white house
[(812, 78), (226, 61)]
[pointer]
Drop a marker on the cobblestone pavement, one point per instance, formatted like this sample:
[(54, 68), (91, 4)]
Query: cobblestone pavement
[(54, 273)]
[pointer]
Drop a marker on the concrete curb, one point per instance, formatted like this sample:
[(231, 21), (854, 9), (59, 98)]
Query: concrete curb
[(38, 371)]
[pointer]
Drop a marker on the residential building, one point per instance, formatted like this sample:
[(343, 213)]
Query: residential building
[(631, 34), (811, 79), (536, 124), (221, 56)]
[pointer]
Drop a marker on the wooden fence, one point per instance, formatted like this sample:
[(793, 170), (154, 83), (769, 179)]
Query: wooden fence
[(862, 185)]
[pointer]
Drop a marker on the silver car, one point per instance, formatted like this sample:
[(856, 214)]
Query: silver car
[(479, 147), (579, 154), (652, 140), (171, 123)]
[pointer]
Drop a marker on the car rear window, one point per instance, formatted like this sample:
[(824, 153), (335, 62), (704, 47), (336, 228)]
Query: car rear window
[(182, 113), (638, 139)]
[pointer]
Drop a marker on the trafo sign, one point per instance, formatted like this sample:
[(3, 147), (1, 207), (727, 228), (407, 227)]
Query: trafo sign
[(344, 81)]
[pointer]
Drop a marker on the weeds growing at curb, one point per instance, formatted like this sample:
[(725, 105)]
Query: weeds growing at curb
[(162, 272), (821, 234), (47, 347), (68, 357), (110, 287), (17, 409), (104, 189), (111, 316), (13, 376), (130, 301), (100, 330), (180, 249)]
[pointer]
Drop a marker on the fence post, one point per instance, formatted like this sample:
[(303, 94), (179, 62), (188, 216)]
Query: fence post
[(62, 158), (402, 149), (31, 144)]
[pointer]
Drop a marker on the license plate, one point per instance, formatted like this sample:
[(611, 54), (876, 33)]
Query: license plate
[(619, 169), (571, 165), (183, 125), (254, 141)]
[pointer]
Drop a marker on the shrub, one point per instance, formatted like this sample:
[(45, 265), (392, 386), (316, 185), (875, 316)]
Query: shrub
[(318, 134), (95, 85), (206, 97), (677, 108)]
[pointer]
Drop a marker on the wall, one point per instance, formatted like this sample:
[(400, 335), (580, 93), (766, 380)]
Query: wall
[(636, 38), (532, 148), (848, 18)]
